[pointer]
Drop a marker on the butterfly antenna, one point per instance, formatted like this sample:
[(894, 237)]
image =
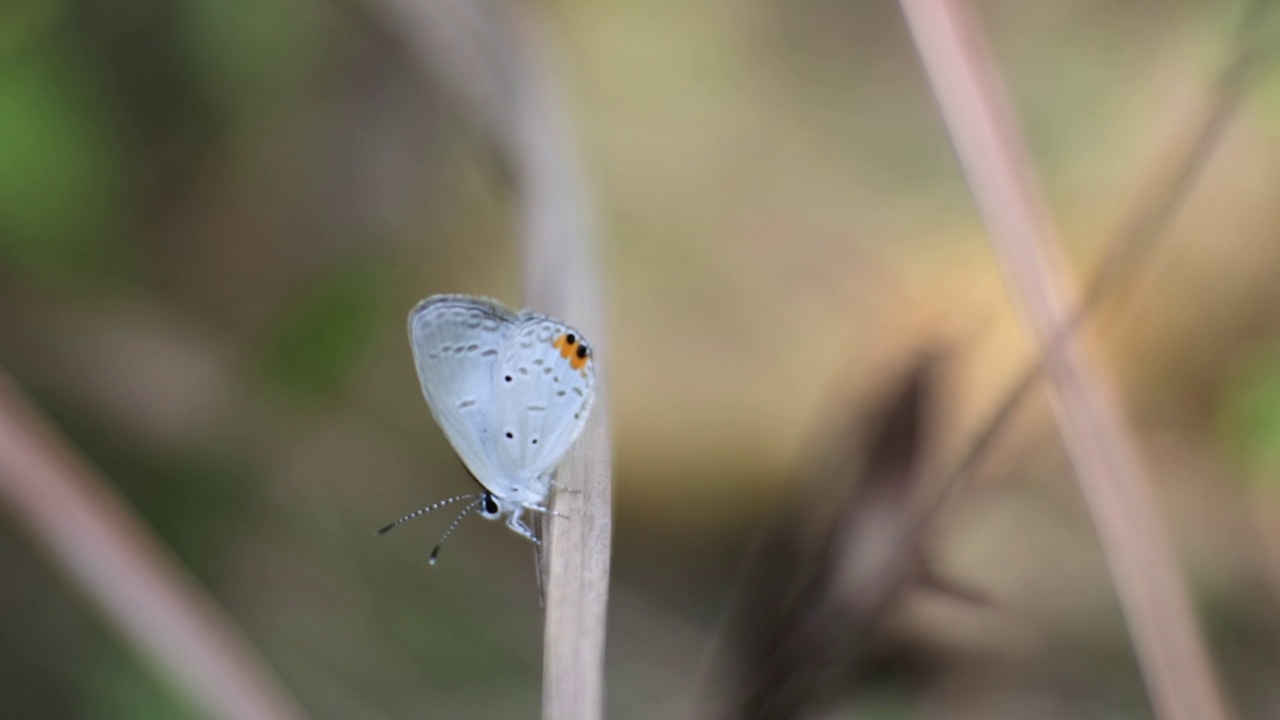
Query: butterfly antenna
[(423, 511), (435, 553)]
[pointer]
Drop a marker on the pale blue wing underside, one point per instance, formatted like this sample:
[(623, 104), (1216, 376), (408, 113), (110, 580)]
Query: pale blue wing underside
[(543, 393), (457, 343)]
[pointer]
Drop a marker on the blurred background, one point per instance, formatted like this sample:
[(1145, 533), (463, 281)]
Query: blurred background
[(214, 217)]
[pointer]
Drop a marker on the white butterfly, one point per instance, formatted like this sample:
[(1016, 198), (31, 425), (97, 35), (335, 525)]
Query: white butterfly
[(511, 392)]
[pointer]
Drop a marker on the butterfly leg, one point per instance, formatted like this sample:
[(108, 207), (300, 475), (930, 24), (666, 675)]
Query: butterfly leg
[(516, 524), (566, 488), (545, 510)]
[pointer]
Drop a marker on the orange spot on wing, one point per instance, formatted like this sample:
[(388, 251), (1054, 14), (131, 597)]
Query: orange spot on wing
[(575, 352), (566, 347)]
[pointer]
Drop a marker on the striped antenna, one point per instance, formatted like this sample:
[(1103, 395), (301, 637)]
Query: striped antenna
[(423, 511), (435, 553)]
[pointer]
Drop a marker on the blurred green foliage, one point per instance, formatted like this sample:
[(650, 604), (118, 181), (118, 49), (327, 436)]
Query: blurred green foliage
[(1251, 415), (121, 688), (315, 344), (64, 197), (254, 54)]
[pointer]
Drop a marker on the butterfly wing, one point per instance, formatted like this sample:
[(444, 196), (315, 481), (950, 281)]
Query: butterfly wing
[(457, 343), (543, 393)]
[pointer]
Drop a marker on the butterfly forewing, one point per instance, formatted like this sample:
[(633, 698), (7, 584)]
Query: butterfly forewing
[(457, 344), (543, 392)]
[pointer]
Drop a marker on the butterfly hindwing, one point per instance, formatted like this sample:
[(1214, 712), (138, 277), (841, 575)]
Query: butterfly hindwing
[(542, 391)]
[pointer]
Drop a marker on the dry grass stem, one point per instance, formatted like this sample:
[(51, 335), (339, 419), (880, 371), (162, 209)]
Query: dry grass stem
[(1162, 195), (496, 60), (71, 513), (812, 608), (561, 275), (1113, 480)]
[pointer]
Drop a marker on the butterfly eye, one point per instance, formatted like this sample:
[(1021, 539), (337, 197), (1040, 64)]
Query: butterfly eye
[(490, 507)]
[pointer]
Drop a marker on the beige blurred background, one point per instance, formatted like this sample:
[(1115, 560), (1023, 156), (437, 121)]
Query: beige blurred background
[(214, 217)]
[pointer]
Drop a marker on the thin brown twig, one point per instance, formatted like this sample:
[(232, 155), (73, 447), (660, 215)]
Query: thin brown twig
[(1153, 594), (813, 610), (1163, 191), (562, 276), (496, 60), (133, 581), (1134, 240)]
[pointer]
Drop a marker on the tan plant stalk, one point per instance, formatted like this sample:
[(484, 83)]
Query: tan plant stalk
[(494, 58), (1112, 478), (130, 577), (562, 276)]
